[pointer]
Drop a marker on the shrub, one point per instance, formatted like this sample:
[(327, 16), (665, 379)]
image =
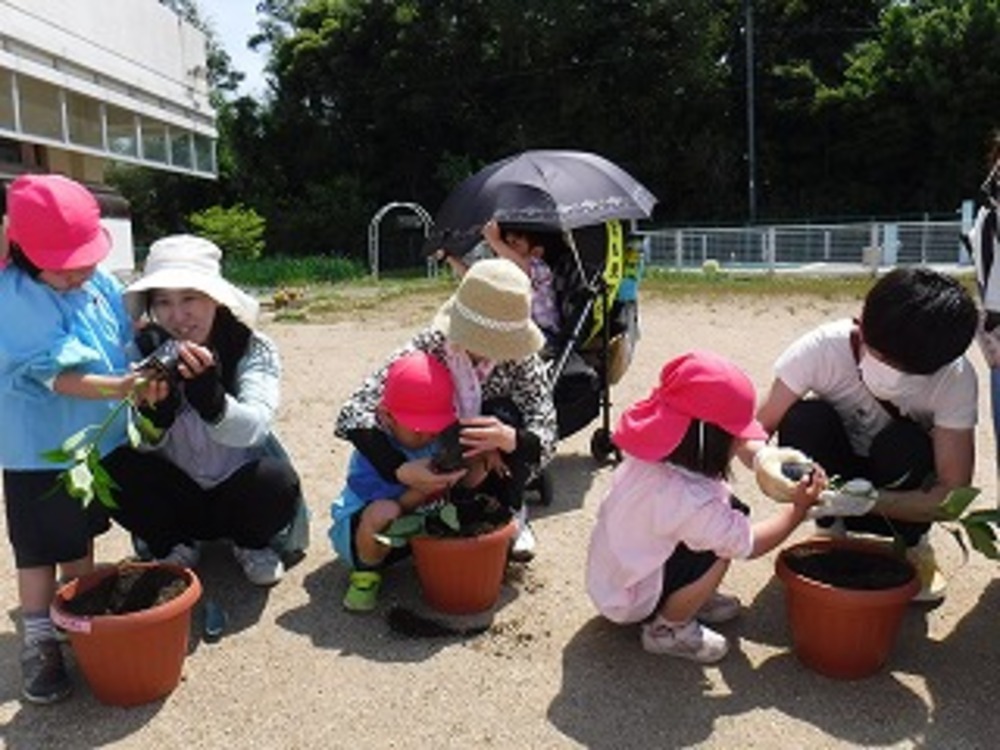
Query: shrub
[(238, 230)]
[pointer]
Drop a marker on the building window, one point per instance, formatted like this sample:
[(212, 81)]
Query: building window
[(180, 149), (41, 113), (121, 132), (204, 154), (7, 100), (84, 115), (154, 140)]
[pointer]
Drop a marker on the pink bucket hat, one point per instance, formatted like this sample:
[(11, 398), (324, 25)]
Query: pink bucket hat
[(697, 385), (56, 222), (419, 393)]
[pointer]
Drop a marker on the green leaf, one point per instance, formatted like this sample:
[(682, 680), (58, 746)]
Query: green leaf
[(149, 431), (80, 483), (955, 503), (405, 526), (982, 516), (134, 435), (983, 539), (57, 456), (449, 517)]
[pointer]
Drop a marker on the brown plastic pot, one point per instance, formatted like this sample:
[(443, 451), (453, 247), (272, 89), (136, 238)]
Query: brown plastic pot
[(843, 633), (462, 575), (132, 658)]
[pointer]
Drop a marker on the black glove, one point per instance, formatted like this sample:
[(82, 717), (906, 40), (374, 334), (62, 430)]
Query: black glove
[(162, 413), (206, 394)]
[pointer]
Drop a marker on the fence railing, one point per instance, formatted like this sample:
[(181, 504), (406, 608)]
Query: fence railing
[(866, 243)]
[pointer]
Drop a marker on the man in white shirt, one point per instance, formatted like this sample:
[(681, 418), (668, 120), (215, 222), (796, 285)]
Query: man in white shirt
[(893, 400)]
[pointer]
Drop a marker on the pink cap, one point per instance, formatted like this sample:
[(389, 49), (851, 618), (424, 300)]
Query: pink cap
[(697, 385), (419, 393), (56, 222)]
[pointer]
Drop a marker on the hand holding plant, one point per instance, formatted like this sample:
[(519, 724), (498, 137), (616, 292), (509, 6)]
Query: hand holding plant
[(86, 478)]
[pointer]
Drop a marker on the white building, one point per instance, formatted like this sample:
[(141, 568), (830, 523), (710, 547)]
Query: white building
[(84, 83)]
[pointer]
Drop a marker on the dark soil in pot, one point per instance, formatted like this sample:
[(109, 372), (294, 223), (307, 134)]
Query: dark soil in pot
[(850, 568), (131, 589)]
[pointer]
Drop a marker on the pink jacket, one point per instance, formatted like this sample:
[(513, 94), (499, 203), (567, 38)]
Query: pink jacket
[(649, 509)]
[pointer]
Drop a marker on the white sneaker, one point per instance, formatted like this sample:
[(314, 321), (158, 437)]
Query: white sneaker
[(184, 555), (522, 549), (262, 567), (691, 640)]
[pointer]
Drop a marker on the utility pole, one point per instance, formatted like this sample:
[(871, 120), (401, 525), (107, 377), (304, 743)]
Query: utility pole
[(751, 128)]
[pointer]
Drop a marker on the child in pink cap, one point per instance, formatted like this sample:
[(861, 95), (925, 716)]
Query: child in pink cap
[(418, 403), (62, 364), (670, 524)]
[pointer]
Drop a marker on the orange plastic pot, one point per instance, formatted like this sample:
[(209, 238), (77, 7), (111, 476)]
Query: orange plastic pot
[(462, 575), (843, 633), (132, 658)]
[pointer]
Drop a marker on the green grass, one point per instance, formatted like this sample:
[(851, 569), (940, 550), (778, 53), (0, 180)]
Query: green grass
[(324, 288)]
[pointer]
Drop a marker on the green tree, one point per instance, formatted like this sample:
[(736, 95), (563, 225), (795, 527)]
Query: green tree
[(238, 230)]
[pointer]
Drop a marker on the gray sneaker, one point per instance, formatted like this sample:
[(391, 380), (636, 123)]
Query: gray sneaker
[(262, 567), (43, 673)]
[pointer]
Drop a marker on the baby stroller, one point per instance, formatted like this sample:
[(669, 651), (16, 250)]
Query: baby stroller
[(596, 274)]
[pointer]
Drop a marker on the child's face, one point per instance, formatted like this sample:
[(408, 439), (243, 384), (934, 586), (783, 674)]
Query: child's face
[(64, 281), (518, 243), (412, 439)]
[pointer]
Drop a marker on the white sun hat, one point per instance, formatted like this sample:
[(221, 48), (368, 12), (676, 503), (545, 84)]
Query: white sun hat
[(184, 261)]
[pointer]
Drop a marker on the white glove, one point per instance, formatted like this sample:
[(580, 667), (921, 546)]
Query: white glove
[(772, 481), (854, 498)]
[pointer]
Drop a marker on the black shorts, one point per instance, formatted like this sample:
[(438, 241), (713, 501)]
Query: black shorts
[(686, 566), (45, 524)]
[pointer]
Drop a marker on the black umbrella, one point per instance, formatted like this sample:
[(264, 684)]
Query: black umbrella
[(555, 190)]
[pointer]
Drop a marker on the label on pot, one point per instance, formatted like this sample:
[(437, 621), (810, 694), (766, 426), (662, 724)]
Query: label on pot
[(69, 622)]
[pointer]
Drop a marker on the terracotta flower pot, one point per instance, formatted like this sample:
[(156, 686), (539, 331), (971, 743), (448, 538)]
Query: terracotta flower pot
[(845, 633), (131, 658), (462, 575)]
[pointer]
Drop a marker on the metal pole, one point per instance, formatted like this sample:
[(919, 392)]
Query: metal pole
[(751, 136)]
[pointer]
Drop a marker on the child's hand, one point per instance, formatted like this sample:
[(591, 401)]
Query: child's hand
[(419, 475), (809, 488), (491, 232), (771, 464)]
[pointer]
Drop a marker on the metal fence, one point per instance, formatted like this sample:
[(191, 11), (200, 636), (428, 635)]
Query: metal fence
[(794, 246)]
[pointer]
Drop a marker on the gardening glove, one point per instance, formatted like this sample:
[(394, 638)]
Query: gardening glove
[(853, 498), (778, 471), (206, 394), (163, 412)]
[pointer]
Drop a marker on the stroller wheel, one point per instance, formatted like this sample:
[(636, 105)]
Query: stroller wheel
[(601, 447)]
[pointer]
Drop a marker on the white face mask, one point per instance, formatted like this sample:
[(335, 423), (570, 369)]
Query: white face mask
[(884, 381)]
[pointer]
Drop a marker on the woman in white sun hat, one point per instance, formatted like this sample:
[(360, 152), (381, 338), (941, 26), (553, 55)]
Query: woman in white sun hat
[(217, 471), (485, 336)]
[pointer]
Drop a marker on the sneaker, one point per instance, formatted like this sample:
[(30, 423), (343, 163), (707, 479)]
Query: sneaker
[(43, 673), (932, 581), (692, 640), (362, 594), (262, 567), (522, 548), (184, 555), (718, 609)]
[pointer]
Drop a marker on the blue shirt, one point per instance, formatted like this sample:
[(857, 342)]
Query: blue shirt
[(42, 333)]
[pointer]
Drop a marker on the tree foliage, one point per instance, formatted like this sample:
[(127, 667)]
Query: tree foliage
[(867, 107)]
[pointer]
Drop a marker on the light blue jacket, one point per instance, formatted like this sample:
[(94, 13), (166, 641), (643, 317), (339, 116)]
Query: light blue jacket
[(42, 333)]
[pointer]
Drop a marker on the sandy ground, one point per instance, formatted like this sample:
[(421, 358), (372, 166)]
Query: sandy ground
[(295, 671)]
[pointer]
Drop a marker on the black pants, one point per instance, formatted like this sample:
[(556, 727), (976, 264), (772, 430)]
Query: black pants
[(901, 456), (162, 505)]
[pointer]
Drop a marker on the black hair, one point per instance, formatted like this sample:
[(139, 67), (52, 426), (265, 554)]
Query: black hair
[(22, 261), (229, 339), (552, 242), (705, 449), (919, 320)]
